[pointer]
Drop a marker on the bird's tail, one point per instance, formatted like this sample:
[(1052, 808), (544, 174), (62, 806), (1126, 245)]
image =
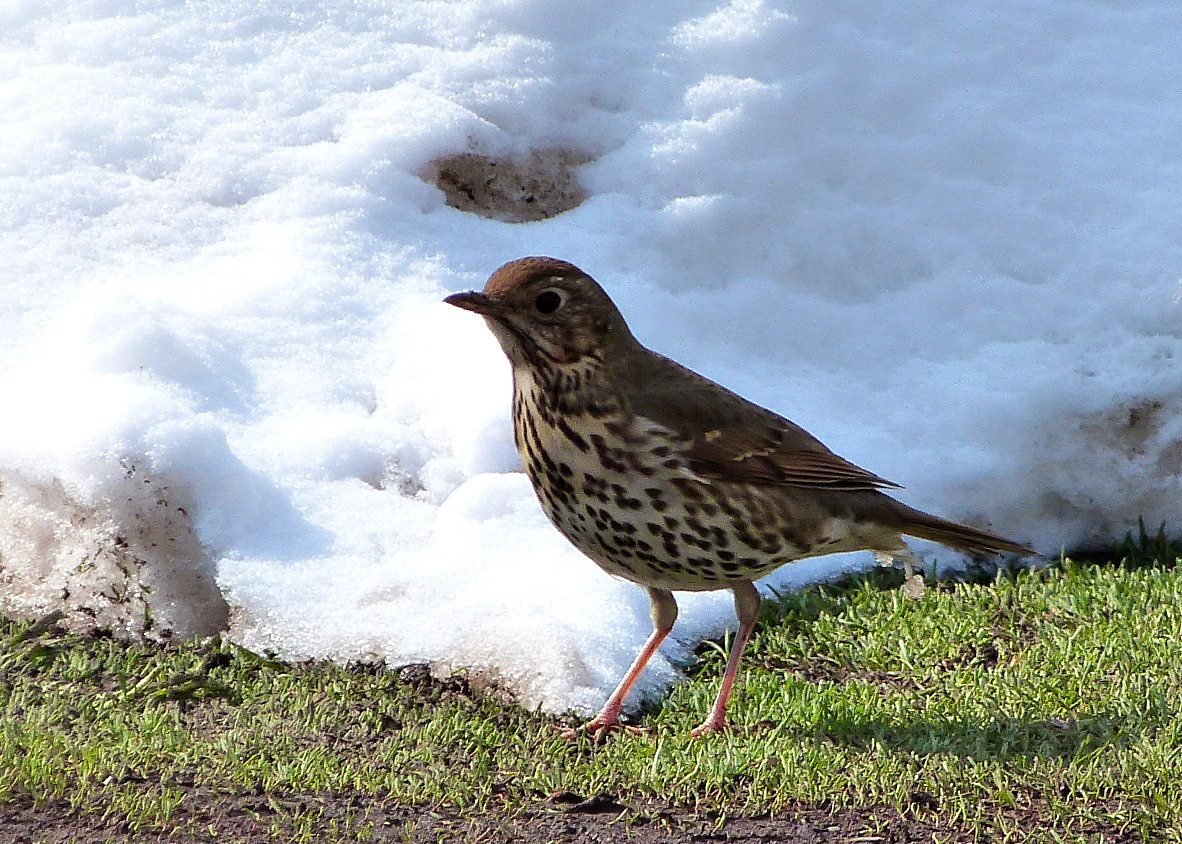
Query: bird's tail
[(926, 526)]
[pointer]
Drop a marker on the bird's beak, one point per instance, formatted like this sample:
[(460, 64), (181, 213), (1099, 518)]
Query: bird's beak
[(470, 300)]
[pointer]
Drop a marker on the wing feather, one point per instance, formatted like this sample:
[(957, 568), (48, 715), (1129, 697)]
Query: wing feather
[(726, 437)]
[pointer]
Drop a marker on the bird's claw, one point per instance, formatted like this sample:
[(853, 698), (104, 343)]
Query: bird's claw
[(710, 725), (599, 728)]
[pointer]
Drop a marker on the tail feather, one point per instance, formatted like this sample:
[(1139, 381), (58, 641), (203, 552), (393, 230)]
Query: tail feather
[(926, 526)]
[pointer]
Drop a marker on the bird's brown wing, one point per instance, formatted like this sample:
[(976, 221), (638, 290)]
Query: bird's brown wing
[(772, 453), (727, 437)]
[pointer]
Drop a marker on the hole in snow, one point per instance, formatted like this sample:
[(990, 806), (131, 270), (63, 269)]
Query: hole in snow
[(513, 189)]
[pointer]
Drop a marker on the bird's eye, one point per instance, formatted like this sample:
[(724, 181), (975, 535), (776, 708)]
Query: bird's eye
[(548, 301)]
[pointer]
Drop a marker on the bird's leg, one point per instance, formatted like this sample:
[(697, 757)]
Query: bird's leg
[(913, 584), (664, 613), (747, 603)]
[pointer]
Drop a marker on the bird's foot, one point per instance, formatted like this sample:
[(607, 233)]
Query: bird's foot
[(599, 727), (711, 725)]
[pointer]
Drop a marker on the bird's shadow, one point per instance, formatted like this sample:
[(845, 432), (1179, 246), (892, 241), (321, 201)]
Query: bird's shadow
[(1000, 738), (997, 737)]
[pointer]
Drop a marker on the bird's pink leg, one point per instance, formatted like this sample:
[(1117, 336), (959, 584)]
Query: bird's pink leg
[(747, 603), (664, 613)]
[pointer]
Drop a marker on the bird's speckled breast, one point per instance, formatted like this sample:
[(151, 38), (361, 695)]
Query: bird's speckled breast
[(618, 489)]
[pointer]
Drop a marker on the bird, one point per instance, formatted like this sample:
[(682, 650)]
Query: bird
[(667, 479)]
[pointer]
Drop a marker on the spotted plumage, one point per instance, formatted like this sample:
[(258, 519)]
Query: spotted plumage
[(666, 478)]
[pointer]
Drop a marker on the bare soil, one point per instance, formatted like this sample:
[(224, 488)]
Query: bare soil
[(595, 819)]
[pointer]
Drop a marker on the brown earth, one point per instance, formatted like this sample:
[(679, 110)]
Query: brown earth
[(598, 819)]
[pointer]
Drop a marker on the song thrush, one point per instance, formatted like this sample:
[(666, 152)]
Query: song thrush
[(666, 478)]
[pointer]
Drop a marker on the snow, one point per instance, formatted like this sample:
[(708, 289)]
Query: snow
[(945, 238)]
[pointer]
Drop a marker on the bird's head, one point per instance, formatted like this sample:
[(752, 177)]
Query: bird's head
[(546, 312)]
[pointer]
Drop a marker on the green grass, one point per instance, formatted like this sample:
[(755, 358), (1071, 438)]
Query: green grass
[(1056, 690)]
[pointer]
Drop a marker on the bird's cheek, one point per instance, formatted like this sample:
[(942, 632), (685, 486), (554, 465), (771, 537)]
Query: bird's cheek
[(585, 345)]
